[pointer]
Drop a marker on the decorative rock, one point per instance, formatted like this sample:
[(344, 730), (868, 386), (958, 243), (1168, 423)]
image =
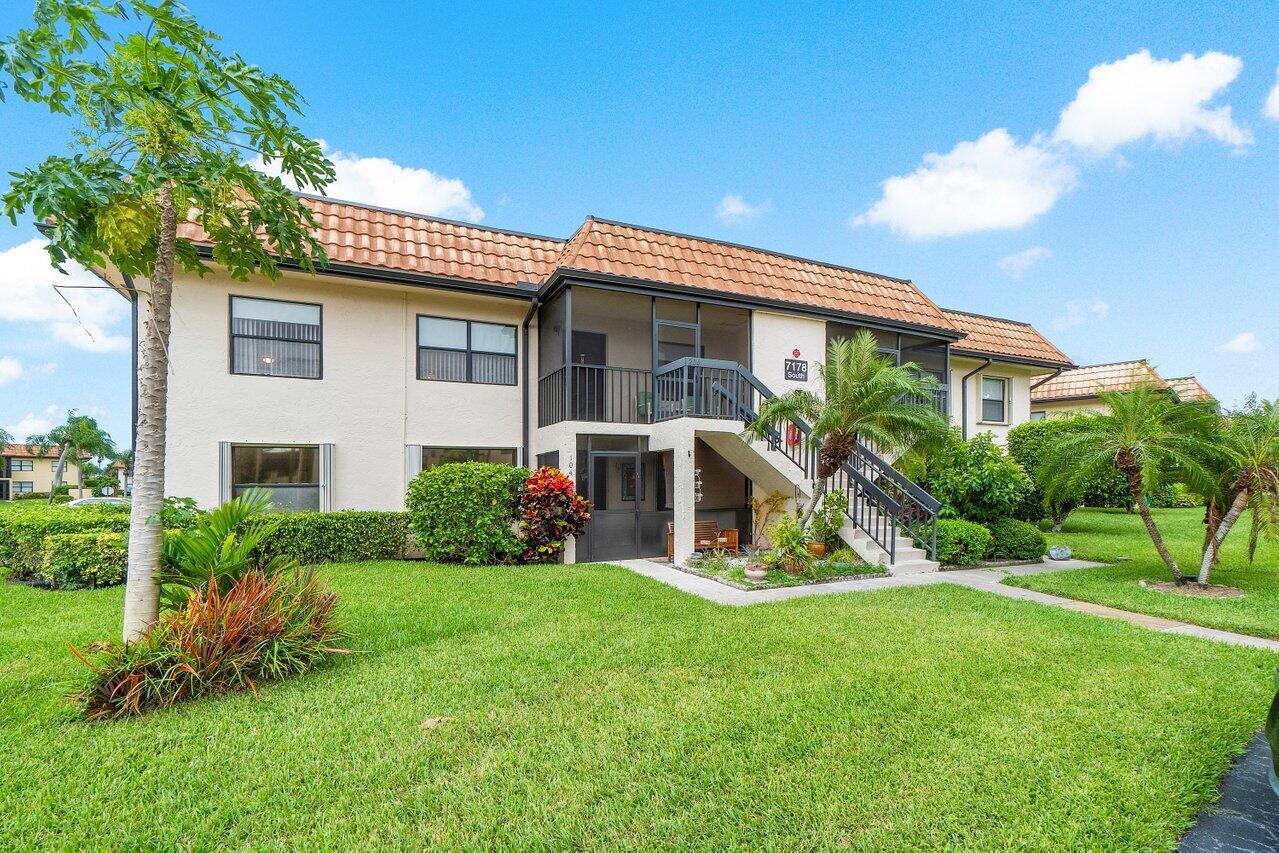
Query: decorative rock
[(1059, 552)]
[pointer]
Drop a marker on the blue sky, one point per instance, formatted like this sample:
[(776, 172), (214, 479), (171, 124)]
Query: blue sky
[(1142, 223)]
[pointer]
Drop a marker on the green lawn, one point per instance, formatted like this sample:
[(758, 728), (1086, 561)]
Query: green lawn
[(1098, 534), (591, 708)]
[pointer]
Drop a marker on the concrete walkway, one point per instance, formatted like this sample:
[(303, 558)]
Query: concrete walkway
[(986, 580)]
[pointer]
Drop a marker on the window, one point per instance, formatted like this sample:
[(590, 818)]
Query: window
[(23, 487), (290, 474), (1038, 416), (272, 338), (23, 465), (465, 351), (994, 400), (432, 456)]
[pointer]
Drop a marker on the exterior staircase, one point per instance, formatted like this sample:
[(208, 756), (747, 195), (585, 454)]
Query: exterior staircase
[(890, 520)]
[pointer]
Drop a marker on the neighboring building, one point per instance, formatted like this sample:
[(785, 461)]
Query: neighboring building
[(1190, 390), (993, 368), (1075, 391), (626, 356), (24, 471)]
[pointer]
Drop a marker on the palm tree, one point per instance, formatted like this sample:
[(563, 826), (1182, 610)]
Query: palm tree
[(79, 436), (1250, 479), (1149, 438), (865, 395)]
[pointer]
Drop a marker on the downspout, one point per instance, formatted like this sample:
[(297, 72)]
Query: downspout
[(1049, 378), (528, 318), (963, 395)]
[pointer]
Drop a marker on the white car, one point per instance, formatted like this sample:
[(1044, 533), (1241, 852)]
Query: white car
[(98, 502)]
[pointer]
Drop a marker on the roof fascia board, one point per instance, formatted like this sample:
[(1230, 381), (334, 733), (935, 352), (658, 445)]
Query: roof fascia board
[(1011, 359)]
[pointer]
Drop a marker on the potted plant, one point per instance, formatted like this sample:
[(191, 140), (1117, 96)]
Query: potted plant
[(827, 521), (790, 542), (756, 571)]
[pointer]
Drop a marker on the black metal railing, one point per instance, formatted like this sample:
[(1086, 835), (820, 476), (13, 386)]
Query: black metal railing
[(587, 392)]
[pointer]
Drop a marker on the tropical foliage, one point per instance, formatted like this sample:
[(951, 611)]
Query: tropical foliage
[(1248, 479), (221, 639), (83, 560), (979, 482), (162, 121), (550, 511), (864, 395), (1150, 439), (76, 438)]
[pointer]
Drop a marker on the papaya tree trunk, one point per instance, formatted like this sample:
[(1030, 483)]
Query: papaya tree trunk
[(142, 589), (1219, 535)]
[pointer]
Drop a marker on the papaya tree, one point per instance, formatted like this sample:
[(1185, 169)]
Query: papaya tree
[(164, 121)]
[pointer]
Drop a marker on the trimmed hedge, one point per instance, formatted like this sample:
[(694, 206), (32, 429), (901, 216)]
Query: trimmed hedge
[(961, 543), (22, 534), (83, 560), (1016, 540), (465, 512), (337, 537)]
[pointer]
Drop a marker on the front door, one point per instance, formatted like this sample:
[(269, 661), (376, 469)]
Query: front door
[(617, 487), (589, 352)]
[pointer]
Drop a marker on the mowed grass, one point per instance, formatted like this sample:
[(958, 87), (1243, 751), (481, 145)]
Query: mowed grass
[(1103, 535), (591, 708)]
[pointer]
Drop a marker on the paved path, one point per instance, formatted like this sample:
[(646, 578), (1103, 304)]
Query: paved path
[(986, 580)]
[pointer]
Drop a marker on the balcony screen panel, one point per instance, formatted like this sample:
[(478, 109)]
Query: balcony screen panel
[(447, 365), (625, 320), (726, 334), (550, 336)]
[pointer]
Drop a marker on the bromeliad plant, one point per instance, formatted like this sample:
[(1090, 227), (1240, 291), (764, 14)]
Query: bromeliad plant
[(864, 395), (219, 549)]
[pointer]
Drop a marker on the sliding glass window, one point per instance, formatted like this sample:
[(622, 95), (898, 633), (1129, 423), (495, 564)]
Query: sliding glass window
[(274, 338), (465, 351)]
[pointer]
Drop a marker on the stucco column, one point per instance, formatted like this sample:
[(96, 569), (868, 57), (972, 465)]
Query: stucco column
[(684, 496)]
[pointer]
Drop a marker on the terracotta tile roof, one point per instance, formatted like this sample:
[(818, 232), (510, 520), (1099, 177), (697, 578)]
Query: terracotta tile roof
[(995, 336), (1085, 382), (1189, 389), (614, 248), (407, 242), (28, 451)]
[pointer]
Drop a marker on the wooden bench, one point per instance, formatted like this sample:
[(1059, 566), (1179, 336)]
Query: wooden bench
[(707, 536)]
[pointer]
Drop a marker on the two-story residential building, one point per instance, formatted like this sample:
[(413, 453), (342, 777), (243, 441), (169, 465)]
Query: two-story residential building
[(1076, 391), (24, 470), (627, 356)]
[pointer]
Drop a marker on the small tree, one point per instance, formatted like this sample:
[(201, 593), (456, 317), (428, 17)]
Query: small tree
[(164, 121), (865, 395), (1149, 438), (79, 437), (1250, 480), (982, 485)]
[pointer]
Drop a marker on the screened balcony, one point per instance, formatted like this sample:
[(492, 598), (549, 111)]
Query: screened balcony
[(598, 349)]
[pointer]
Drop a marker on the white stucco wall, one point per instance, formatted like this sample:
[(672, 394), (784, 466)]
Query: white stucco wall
[(369, 403), (774, 338), (1020, 378)]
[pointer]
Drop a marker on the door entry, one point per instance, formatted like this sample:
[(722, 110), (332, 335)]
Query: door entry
[(617, 489)]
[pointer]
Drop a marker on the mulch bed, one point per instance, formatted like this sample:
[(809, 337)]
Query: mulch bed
[(1193, 589)]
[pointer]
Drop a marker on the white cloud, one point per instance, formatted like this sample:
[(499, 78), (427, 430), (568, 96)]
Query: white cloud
[(10, 369), (1016, 265), (734, 208), (1080, 311), (1140, 96), (27, 295), (1241, 343), (987, 184), (1271, 109), (385, 183), (33, 424)]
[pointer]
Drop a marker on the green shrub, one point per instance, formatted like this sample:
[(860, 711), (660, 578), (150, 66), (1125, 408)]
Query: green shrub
[(1016, 540), (22, 534), (262, 627), (337, 537), (961, 543), (982, 484), (829, 518), (1029, 444), (465, 512), (83, 560)]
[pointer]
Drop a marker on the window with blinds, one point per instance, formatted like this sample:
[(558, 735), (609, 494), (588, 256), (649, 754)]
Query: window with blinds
[(994, 400), (274, 338), (290, 474), (451, 350)]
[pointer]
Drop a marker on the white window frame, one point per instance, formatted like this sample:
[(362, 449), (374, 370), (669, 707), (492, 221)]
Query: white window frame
[(981, 399)]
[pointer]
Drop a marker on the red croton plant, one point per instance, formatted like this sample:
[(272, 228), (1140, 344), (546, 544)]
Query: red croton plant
[(551, 510)]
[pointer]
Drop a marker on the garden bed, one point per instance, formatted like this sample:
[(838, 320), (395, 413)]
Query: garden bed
[(733, 573), (991, 564)]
